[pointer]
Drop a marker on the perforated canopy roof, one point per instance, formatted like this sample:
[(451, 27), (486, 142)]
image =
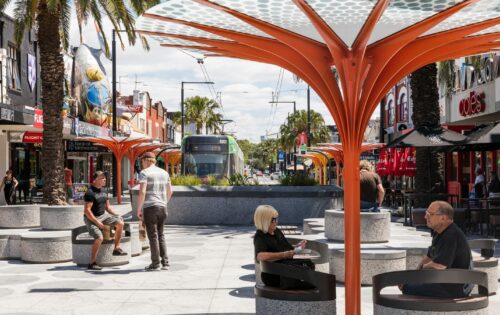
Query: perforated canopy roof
[(345, 17)]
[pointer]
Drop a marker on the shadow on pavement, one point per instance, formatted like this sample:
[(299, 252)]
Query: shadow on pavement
[(244, 292), (248, 267), (249, 277)]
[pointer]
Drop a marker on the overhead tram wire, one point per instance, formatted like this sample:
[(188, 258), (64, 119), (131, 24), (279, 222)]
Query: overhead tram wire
[(275, 98)]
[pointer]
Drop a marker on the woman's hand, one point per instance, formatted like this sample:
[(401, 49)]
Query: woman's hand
[(301, 244), (288, 254)]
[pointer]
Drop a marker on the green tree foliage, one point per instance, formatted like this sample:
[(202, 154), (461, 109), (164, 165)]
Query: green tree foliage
[(297, 123), (52, 19), (202, 111), (247, 147)]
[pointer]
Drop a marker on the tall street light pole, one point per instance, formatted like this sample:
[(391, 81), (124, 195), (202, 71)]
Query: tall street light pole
[(182, 114), (294, 146)]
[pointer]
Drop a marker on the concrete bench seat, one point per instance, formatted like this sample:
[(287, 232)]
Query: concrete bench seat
[(373, 261), (43, 247), (309, 223), (388, 304), (82, 242), (61, 217), (486, 262), (19, 216), (319, 300), (10, 243), (375, 227)]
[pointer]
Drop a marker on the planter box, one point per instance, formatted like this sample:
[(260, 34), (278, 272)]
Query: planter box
[(231, 205)]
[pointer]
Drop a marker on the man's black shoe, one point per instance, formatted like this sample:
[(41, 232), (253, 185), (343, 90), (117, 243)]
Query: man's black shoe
[(152, 268), (94, 266), (119, 252), (165, 263)]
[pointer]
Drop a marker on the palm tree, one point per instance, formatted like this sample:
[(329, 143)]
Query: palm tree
[(297, 123), (202, 112), (425, 100), (52, 18)]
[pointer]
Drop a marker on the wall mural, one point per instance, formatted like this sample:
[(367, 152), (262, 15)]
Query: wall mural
[(91, 90)]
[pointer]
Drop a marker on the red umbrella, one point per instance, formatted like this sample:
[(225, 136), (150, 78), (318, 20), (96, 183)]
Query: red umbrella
[(411, 165), (382, 163), (403, 153)]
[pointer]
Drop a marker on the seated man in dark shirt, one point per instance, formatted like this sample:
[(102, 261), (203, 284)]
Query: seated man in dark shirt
[(449, 249), (98, 213)]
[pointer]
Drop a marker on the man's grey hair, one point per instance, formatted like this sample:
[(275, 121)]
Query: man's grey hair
[(444, 208)]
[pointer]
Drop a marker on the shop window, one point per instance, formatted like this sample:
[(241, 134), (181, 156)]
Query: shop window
[(1, 34), (390, 113), (403, 109), (13, 68)]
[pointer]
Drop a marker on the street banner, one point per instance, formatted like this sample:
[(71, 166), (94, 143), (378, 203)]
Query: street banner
[(38, 122), (281, 156), (302, 138), (136, 106)]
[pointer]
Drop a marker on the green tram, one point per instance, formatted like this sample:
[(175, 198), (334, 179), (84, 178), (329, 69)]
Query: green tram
[(212, 155)]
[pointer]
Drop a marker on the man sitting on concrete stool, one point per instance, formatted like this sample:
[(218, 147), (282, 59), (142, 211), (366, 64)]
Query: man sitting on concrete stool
[(449, 249), (98, 213)]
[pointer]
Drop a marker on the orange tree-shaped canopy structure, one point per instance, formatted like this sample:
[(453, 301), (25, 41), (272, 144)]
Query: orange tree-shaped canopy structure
[(349, 51), (119, 146), (172, 157), (137, 150)]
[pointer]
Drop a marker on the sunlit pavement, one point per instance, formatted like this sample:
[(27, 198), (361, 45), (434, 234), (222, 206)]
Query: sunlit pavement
[(211, 272)]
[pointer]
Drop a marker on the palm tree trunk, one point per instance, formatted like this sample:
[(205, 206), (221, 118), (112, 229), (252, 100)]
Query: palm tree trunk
[(52, 75), (425, 99)]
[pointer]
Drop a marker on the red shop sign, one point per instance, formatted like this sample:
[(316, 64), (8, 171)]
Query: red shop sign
[(38, 122), (33, 137), (474, 104)]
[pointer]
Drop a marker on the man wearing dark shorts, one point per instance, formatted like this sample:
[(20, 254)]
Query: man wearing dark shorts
[(154, 192), (449, 249), (98, 213)]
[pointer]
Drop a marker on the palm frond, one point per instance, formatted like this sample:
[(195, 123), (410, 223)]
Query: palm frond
[(82, 8), (65, 22), (145, 43), (140, 6), (3, 5)]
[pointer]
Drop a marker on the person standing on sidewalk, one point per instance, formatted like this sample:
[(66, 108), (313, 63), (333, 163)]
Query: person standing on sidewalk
[(154, 192)]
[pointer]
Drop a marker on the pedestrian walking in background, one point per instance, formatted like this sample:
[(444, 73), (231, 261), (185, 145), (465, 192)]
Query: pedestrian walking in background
[(494, 186), (154, 193), (9, 185), (68, 183)]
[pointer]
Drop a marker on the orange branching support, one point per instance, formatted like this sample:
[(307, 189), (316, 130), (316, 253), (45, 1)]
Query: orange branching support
[(119, 146), (137, 150), (365, 73), (172, 157)]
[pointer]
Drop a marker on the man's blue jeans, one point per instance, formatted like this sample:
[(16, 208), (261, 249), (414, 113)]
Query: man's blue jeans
[(367, 206)]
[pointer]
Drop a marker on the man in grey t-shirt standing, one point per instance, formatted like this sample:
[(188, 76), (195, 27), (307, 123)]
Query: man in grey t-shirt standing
[(154, 192)]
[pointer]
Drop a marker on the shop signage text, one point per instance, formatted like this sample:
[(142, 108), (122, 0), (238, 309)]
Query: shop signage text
[(33, 137), (84, 146), (38, 122), (473, 104)]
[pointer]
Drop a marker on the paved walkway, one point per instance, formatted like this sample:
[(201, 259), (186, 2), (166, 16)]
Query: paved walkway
[(211, 273)]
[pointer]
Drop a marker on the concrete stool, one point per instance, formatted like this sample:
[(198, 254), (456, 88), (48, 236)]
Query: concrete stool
[(82, 246), (10, 244), (19, 216), (135, 242), (46, 247), (61, 217), (373, 262), (375, 226), (486, 262), (398, 304), (319, 301), (309, 223)]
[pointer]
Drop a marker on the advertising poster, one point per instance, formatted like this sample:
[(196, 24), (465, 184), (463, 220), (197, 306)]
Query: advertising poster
[(79, 190), (31, 71), (91, 91)]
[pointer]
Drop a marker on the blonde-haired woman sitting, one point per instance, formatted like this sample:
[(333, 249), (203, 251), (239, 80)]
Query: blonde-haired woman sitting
[(271, 245)]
